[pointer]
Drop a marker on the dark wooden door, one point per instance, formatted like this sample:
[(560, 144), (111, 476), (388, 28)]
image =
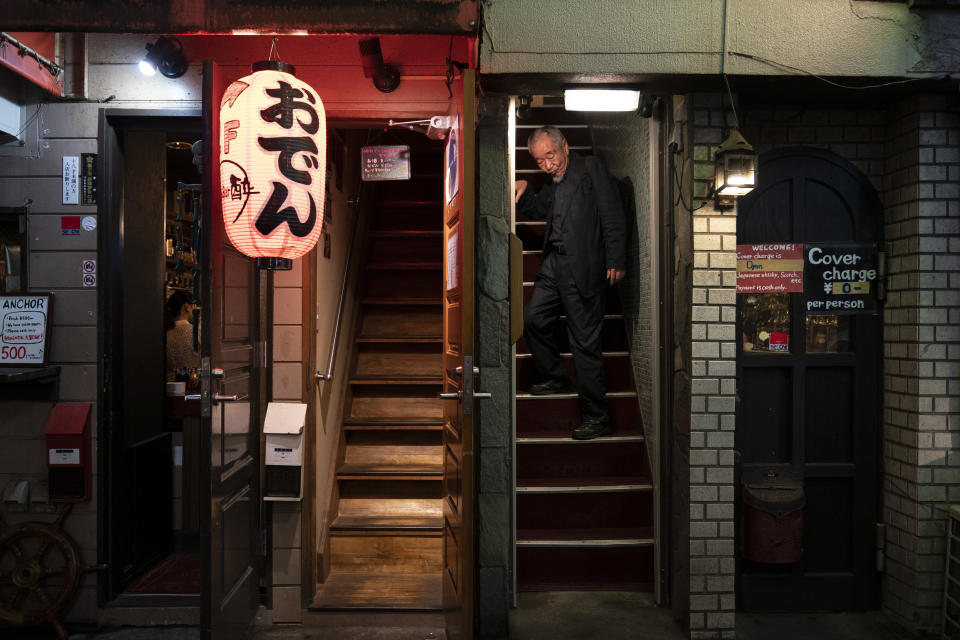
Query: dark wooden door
[(815, 407), (231, 407), (458, 409)]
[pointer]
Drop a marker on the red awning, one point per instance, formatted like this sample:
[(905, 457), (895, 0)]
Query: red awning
[(44, 44)]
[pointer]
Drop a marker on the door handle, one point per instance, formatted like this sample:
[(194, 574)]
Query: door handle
[(482, 395), (219, 397), (455, 395)]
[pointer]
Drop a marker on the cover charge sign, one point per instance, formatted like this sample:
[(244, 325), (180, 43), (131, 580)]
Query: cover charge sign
[(385, 162), (23, 329), (770, 268), (841, 278)]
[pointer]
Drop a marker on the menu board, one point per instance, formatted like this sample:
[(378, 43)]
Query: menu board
[(385, 162), (24, 323)]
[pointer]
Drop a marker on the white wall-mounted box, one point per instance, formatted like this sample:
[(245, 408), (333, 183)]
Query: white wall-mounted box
[(283, 458)]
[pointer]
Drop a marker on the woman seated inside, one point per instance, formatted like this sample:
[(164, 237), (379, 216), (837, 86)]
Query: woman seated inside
[(180, 353)]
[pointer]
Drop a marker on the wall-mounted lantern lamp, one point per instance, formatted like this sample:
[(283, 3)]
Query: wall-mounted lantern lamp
[(736, 170), (601, 99), (166, 56)]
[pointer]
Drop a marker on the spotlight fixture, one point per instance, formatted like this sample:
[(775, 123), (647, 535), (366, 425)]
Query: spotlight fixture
[(736, 170), (166, 56), (386, 78), (524, 109), (601, 99), (646, 106)]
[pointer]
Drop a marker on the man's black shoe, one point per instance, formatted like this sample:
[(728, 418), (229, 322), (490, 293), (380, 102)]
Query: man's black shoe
[(591, 429), (557, 385)]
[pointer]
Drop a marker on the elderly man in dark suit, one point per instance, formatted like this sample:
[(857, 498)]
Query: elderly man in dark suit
[(583, 253)]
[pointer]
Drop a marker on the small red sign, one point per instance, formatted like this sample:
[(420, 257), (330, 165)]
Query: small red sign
[(70, 225), (779, 341)]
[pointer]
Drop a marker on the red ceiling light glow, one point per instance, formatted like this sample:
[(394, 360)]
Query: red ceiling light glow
[(273, 134)]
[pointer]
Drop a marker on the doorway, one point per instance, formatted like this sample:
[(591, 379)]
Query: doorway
[(809, 392), (149, 430)]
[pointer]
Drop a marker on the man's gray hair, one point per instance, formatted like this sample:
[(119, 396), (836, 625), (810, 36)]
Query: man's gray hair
[(551, 132)]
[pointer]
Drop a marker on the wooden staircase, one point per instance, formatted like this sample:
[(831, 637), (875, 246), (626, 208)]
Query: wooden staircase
[(385, 532), (584, 508)]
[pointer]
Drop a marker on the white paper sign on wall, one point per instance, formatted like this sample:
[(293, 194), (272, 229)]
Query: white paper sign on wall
[(71, 179)]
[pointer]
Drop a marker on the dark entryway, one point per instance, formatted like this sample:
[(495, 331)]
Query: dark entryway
[(812, 405)]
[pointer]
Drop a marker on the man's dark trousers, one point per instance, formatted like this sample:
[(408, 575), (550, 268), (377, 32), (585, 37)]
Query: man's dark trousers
[(555, 292)]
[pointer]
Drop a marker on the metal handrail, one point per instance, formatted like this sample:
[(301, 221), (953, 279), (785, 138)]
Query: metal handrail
[(355, 205)]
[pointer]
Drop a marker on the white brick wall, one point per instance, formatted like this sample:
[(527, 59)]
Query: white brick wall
[(712, 598), (921, 353)]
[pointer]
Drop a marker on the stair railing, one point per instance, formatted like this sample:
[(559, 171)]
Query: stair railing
[(354, 204)]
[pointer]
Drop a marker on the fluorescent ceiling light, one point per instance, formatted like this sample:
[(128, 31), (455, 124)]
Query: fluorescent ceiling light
[(601, 99)]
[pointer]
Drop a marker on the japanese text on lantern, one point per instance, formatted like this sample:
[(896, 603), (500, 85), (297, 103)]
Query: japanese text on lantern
[(273, 139)]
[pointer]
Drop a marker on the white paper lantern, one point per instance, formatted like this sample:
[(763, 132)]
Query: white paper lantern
[(273, 135)]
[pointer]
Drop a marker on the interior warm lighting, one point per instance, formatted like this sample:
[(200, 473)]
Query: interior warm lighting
[(273, 134), (601, 99), (736, 170)]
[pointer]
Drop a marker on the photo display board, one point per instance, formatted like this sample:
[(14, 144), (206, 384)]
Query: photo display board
[(24, 329)]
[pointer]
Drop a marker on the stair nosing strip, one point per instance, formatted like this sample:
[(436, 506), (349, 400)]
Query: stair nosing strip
[(569, 440), (612, 542), (610, 394), (613, 488), (568, 354)]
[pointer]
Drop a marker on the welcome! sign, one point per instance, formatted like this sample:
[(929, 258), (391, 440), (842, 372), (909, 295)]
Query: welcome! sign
[(770, 268)]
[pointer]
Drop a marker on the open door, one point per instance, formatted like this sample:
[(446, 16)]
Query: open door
[(458, 363), (231, 388)]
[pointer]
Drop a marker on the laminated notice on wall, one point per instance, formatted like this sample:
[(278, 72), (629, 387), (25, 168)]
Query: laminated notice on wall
[(24, 320)]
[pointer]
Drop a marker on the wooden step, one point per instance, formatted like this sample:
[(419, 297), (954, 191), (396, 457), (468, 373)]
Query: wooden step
[(585, 568), (402, 300), (557, 415), (553, 512), (390, 423), (426, 380), (582, 485), (407, 215), (395, 322), (413, 488), (403, 284), (617, 370), (371, 553), (594, 459), (383, 247), (395, 401), (374, 590), (394, 359), (404, 266), (385, 514)]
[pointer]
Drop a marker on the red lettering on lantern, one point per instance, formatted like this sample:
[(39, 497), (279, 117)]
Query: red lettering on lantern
[(229, 133)]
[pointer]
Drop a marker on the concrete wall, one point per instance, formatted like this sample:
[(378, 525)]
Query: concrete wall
[(760, 37), (495, 505)]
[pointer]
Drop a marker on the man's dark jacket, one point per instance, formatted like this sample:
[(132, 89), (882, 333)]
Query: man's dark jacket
[(595, 233)]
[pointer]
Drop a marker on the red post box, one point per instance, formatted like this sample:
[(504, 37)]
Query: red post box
[(772, 516), (68, 453)]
